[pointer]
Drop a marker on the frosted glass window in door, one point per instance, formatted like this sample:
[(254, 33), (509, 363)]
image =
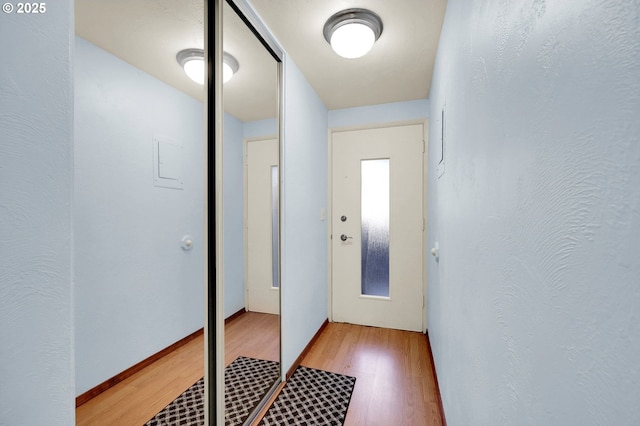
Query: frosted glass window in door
[(275, 227), (375, 227)]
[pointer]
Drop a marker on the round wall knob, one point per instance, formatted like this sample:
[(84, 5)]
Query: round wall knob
[(186, 243), (435, 251)]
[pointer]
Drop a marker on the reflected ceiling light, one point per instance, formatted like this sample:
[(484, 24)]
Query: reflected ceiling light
[(352, 32), (230, 66), (192, 60)]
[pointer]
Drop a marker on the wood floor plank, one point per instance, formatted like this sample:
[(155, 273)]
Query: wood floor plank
[(253, 335), (394, 380), (138, 398)]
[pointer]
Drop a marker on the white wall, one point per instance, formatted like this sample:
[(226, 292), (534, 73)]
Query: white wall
[(304, 241), (533, 307), (137, 290), (36, 177)]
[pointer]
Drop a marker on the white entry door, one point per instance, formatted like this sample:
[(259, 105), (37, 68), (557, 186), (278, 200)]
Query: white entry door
[(377, 227), (262, 226)]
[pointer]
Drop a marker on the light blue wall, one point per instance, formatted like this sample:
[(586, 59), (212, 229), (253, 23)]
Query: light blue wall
[(534, 305), (378, 114), (260, 128), (304, 242), (233, 211), (36, 178), (137, 291)]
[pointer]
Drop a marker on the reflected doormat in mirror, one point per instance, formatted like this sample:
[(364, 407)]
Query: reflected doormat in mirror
[(246, 380), (311, 397)]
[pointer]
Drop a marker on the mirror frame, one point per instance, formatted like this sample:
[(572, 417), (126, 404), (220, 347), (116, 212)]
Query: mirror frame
[(214, 411), (214, 113)]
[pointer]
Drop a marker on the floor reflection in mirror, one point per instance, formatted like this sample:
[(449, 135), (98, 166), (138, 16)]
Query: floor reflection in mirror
[(140, 397)]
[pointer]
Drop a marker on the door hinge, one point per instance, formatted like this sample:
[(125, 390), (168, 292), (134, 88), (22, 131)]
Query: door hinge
[(424, 146), (424, 223)]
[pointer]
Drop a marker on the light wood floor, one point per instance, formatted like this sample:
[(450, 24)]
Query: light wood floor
[(137, 399), (252, 335), (394, 380), (394, 384)]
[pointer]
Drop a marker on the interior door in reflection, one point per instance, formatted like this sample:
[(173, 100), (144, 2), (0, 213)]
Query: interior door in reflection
[(262, 226)]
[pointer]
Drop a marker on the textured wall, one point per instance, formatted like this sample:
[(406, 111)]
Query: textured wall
[(533, 307), (137, 291), (304, 194), (36, 177)]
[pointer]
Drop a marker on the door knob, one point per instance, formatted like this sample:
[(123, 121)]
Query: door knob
[(343, 237), (435, 251)]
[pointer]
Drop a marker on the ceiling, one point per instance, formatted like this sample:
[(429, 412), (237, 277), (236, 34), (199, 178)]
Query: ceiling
[(149, 33)]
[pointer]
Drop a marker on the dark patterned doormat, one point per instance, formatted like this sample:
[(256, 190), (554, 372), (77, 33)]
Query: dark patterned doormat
[(311, 397), (245, 385), (246, 380)]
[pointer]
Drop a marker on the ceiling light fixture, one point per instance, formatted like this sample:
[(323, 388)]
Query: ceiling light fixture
[(352, 32), (192, 60), (230, 66)]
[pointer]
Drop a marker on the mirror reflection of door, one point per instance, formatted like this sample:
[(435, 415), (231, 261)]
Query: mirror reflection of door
[(250, 214), (262, 226)]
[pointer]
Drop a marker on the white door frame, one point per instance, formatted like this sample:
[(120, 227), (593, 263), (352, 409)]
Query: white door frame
[(245, 204), (331, 131)]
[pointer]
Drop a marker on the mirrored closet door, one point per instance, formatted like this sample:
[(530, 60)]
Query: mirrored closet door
[(251, 214)]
